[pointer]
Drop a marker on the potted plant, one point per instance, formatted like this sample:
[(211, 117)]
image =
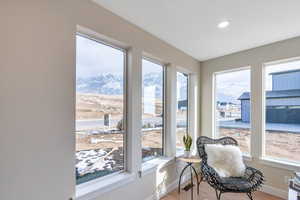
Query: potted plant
[(187, 141)]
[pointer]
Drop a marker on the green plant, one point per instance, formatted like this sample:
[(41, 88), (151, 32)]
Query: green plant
[(187, 141)]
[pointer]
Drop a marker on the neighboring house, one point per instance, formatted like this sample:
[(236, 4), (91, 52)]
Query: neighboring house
[(182, 105), (283, 101), (227, 110)]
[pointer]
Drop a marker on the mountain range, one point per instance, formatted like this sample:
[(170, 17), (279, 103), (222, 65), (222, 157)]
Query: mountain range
[(105, 83), (112, 84)]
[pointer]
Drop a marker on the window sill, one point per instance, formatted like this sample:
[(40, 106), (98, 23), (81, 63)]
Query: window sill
[(179, 153), (280, 164), (94, 188), (247, 158), (155, 164)]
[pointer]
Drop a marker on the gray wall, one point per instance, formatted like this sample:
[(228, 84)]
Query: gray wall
[(286, 81), (37, 96), (255, 58)]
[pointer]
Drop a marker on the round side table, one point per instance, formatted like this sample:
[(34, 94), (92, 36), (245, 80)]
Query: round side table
[(189, 164)]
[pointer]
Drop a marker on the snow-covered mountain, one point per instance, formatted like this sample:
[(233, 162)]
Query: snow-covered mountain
[(101, 84), (112, 84)]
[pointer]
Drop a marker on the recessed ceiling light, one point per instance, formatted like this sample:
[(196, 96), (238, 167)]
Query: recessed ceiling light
[(223, 24)]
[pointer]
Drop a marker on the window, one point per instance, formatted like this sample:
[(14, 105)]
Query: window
[(282, 111), (100, 104), (232, 107), (153, 110), (182, 109)]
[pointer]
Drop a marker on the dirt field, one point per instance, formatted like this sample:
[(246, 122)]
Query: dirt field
[(94, 106), (282, 145), (88, 142), (150, 139), (241, 135), (109, 145)]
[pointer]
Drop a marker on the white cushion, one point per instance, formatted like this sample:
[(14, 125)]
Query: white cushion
[(227, 160)]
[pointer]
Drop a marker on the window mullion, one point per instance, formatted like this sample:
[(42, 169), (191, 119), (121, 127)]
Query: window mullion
[(170, 133), (193, 108), (134, 110), (257, 110)]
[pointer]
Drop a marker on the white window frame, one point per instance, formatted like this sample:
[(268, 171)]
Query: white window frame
[(188, 75), (164, 150), (264, 159), (134, 168), (193, 115), (214, 104), (98, 186)]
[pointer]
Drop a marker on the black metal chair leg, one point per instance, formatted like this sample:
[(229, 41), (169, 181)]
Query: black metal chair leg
[(218, 194), (198, 183), (250, 196), (181, 177)]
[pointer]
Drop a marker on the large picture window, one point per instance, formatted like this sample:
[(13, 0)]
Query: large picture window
[(182, 109), (232, 106), (100, 103), (153, 109), (282, 111)]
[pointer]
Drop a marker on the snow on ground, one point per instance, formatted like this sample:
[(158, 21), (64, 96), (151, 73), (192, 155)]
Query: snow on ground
[(90, 161)]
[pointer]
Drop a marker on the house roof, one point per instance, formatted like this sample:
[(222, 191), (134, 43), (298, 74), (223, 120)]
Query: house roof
[(285, 72), (274, 94)]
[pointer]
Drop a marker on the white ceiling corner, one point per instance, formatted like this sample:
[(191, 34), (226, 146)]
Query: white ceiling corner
[(191, 26)]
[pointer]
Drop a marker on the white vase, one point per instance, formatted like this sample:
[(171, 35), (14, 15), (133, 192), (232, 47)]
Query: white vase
[(187, 154)]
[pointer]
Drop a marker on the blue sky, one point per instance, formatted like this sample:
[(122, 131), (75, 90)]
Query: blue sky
[(182, 83), (151, 67), (234, 83), (94, 58)]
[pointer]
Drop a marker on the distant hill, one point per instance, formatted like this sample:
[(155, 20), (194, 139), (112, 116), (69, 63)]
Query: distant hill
[(111, 84), (101, 84)]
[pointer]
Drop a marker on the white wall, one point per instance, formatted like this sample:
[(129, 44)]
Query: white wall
[(37, 97), (255, 58), (37, 93)]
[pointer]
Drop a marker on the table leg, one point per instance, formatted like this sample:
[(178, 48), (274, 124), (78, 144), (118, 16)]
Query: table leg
[(192, 184), (181, 176), (201, 177), (198, 183)]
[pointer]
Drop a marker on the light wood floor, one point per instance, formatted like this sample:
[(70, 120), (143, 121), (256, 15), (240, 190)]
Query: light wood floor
[(207, 193)]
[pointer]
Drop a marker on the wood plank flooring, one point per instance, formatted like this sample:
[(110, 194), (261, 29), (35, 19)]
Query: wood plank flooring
[(207, 193)]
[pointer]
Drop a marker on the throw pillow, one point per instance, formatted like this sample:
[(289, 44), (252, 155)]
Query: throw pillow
[(227, 160)]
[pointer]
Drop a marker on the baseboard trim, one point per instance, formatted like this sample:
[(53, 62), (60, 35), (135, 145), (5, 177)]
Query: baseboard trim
[(265, 188), (275, 191), (160, 194)]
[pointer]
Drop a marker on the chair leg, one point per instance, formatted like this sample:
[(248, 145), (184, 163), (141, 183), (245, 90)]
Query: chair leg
[(218, 194), (250, 195)]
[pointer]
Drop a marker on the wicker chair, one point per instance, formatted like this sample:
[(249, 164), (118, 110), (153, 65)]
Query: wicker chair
[(250, 182)]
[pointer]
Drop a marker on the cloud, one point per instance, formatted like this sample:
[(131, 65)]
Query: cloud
[(94, 58)]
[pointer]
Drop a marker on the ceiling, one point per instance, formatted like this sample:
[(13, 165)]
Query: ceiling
[(191, 25)]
